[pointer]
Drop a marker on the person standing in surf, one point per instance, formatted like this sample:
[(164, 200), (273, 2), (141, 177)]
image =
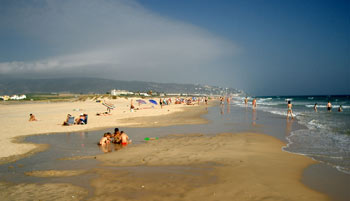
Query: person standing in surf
[(315, 107), (329, 106), (254, 103), (289, 111)]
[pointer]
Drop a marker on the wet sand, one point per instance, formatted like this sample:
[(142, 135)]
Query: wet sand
[(242, 166)]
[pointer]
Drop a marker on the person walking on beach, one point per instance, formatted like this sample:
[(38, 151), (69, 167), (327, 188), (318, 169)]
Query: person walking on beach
[(246, 101), (289, 111), (132, 107), (315, 107), (221, 100), (161, 103), (329, 106), (254, 103)]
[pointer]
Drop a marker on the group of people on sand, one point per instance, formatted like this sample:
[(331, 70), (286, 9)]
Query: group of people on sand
[(116, 138), (81, 120)]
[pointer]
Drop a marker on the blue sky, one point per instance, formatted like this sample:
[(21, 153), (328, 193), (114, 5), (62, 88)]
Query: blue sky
[(263, 47)]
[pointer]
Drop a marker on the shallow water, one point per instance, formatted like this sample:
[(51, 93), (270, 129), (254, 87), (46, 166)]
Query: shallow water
[(326, 136), (66, 145)]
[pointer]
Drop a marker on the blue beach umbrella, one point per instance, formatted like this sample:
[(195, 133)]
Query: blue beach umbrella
[(153, 101)]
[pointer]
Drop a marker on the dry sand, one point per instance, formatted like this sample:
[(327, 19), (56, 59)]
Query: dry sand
[(241, 166), (14, 121)]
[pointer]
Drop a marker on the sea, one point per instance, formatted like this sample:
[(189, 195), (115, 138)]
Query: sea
[(326, 134)]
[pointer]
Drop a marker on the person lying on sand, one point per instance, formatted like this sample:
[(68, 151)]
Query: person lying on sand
[(32, 117), (102, 114)]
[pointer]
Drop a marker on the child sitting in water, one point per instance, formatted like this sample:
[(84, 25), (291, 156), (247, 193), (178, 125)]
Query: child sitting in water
[(117, 139), (124, 138), (105, 139)]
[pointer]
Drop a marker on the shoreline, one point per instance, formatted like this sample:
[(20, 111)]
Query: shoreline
[(26, 149), (212, 165)]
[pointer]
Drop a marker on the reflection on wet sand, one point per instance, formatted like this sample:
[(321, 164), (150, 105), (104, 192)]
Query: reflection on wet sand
[(222, 109), (289, 124), (110, 147), (254, 117)]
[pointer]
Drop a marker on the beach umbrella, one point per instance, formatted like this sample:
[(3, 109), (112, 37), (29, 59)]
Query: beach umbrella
[(141, 101), (153, 101), (108, 105)]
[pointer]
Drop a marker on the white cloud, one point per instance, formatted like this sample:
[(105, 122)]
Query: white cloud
[(120, 35)]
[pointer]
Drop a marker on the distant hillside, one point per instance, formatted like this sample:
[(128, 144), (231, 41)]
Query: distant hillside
[(96, 85)]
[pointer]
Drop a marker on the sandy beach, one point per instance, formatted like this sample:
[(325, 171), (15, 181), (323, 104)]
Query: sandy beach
[(15, 124), (224, 166)]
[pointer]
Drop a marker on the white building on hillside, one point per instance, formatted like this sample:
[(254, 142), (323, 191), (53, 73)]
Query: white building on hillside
[(115, 92)]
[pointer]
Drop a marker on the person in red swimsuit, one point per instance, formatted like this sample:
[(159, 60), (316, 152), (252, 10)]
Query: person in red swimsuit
[(124, 138)]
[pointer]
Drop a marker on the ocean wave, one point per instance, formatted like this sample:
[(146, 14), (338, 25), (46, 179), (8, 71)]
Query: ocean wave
[(314, 124), (263, 99), (321, 145), (324, 106)]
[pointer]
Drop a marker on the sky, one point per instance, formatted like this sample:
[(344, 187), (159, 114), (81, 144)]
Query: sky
[(268, 47)]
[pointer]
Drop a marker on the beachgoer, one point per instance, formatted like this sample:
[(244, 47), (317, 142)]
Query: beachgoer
[(246, 101), (340, 109), (315, 107), (161, 103), (66, 123), (124, 138), (289, 111), (104, 140), (32, 117), (117, 139), (109, 137), (131, 106), (254, 103), (329, 106), (206, 100), (81, 119), (221, 100), (228, 100)]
